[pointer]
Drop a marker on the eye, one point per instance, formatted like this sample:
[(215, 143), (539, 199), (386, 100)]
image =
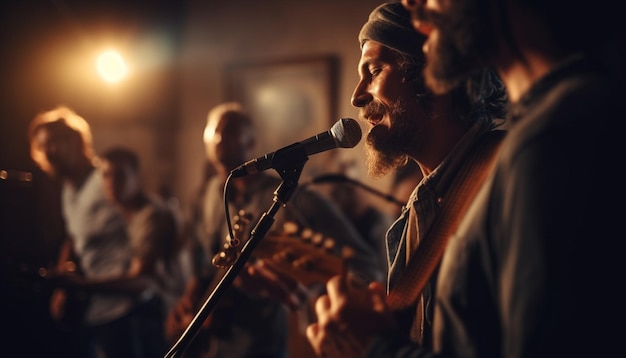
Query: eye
[(374, 71)]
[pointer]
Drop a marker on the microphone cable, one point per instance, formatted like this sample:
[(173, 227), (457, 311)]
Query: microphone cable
[(340, 178)]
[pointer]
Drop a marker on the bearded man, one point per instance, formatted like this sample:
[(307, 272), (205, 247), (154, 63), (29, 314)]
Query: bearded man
[(407, 122)]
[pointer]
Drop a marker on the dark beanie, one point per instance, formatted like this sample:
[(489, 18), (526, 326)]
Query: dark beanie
[(390, 25)]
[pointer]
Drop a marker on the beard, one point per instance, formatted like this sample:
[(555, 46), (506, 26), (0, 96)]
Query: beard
[(386, 148), (462, 42)]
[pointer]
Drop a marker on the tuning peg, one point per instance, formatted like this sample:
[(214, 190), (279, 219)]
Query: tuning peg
[(329, 244), (317, 239), (226, 257), (290, 228), (306, 234), (347, 252)]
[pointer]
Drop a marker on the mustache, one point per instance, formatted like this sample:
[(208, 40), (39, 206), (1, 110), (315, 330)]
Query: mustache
[(373, 109)]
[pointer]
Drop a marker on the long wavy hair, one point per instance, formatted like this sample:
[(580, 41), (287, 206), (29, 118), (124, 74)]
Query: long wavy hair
[(67, 118)]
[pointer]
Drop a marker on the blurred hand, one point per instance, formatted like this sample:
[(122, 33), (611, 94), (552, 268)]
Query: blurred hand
[(181, 316), (349, 316), (64, 276), (262, 278), (57, 304)]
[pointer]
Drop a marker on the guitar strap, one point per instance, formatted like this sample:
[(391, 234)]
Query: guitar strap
[(464, 188)]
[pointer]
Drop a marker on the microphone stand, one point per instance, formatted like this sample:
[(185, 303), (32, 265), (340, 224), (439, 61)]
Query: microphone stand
[(290, 173)]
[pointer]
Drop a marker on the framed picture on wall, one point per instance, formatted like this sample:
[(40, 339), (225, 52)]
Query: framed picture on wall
[(289, 100)]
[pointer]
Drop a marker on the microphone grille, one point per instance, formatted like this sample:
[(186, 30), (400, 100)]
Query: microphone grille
[(347, 132)]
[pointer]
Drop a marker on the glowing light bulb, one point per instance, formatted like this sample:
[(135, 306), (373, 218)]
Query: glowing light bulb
[(111, 66)]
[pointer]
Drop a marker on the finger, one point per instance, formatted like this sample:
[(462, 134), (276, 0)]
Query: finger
[(339, 289), (378, 296), (185, 305), (312, 332), (322, 306), (182, 308), (337, 286), (377, 287), (313, 336)]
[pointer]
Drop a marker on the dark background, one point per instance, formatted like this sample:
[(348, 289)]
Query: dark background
[(160, 111), (30, 224)]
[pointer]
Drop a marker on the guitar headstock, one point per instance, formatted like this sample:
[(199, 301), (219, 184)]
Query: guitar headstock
[(231, 249), (302, 254)]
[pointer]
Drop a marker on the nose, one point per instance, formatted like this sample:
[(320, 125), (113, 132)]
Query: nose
[(360, 96)]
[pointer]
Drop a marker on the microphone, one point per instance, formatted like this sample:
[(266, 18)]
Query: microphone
[(345, 133)]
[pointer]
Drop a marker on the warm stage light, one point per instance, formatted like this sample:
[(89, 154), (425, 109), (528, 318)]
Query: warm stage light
[(111, 66)]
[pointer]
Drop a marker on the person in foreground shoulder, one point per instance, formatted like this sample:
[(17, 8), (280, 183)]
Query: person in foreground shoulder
[(538, 234), (532, 269), (441, 133)]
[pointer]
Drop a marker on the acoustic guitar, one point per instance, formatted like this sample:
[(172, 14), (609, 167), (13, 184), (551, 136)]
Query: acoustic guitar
[(301, 254)]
